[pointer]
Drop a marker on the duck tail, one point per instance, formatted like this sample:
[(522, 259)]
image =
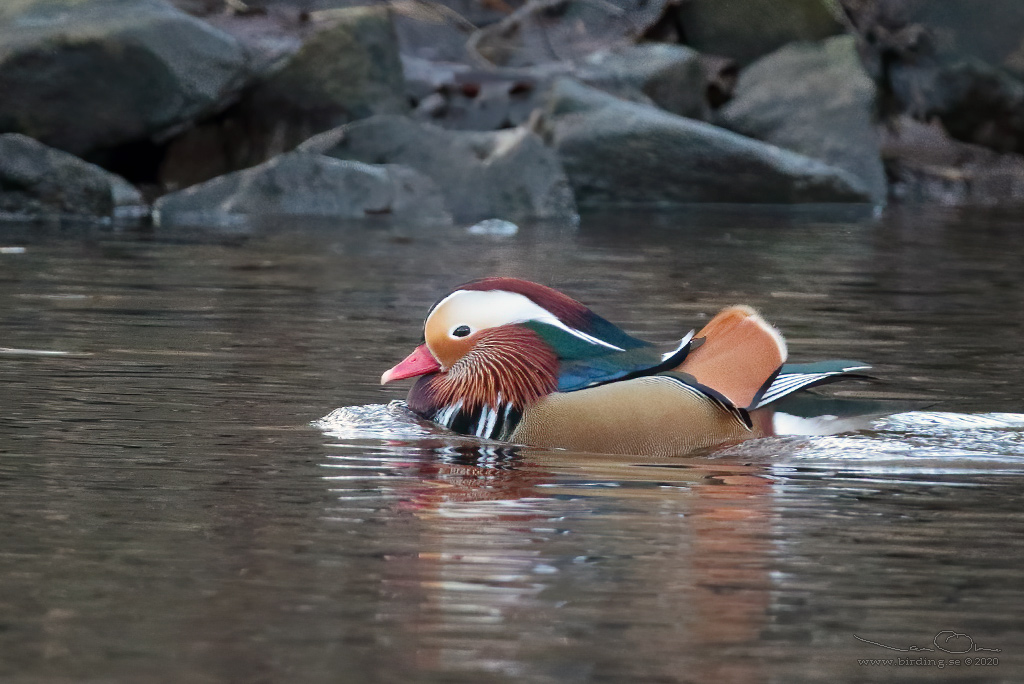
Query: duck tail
[(740, 357)]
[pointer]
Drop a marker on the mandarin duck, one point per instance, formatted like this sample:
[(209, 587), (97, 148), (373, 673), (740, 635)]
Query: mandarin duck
[(511, 360)]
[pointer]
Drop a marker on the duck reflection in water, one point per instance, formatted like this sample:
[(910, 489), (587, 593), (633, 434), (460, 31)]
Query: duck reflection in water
[(559, 549)]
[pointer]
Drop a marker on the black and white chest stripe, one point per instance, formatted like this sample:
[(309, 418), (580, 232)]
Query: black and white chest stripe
[(486, 421)]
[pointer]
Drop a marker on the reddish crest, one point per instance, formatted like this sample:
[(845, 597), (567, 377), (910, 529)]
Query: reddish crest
[(565, 308)]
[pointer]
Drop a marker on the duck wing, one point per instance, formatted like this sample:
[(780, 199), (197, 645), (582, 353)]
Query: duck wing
[(797, 376), (587, 361)]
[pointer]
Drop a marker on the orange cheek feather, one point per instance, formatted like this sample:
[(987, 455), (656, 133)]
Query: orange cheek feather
[(420, 362), (449, 351)]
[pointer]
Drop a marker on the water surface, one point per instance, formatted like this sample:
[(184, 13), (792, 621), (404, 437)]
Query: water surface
[(170, 514)]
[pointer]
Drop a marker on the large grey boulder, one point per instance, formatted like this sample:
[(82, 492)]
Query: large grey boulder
[(815, 99), (747, 29), (37, 181), (506, 174), (88, 75), (348, 69), (618, 152), (305, 184)]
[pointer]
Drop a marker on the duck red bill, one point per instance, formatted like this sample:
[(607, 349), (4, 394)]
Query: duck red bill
[(420, 362)]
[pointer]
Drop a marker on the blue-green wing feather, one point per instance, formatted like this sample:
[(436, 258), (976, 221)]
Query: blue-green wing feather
[(587, 362), (797, 376), (579, 374)]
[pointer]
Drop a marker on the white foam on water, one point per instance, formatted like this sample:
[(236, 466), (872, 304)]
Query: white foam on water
[(917, 445), (374, 422), (939, 420), (915, 442)]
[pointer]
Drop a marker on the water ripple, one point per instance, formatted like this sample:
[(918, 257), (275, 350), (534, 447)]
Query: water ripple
[(378, 442), (373, 421)]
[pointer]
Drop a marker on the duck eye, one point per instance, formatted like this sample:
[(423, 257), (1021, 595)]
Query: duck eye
[(461, 331)]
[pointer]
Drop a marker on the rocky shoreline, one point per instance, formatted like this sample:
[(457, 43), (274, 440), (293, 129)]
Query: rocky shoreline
[(195, 111)]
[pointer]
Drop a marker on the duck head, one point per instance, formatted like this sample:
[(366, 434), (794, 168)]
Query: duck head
[(494, 346)]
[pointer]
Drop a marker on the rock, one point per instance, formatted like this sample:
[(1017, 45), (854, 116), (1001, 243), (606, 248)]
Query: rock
[(815, 99), (425, 77), (464, 98), (990, 31), (569, 96), (348, 70), (975, 101), (747, 29), (958, 61), (37, 181), (564, 30), (672, 76), (305, 184), (507, 174), (434, 31), (465, 13), (493, 228), (625, 153), (91, 75), (199, 8), (269, 34), (925, 165)]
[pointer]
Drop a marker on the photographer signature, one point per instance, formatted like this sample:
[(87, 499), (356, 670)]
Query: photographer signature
[(942, 637)]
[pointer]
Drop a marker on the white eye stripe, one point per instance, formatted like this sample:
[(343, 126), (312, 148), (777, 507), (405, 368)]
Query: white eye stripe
[(493, 308)]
